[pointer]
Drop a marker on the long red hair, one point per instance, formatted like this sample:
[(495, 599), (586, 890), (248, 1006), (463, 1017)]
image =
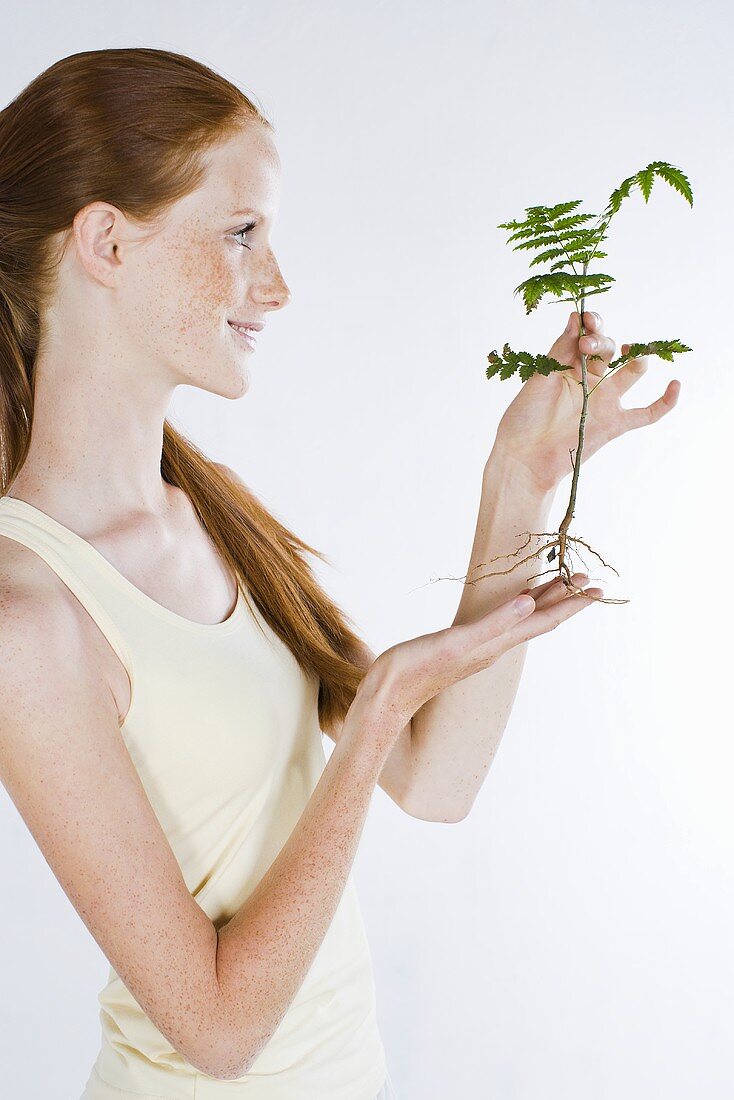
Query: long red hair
[(130, 126)]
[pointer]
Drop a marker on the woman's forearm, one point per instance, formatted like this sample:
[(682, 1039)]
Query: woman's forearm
[(266, 949), (456, 734)]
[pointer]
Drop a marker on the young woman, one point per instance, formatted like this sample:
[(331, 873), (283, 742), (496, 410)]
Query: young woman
[(167, 659)]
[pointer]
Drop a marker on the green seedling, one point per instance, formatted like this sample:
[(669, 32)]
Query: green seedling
[(561, 235)]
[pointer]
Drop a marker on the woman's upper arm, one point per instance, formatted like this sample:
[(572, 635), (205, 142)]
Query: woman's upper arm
[(65, 766)]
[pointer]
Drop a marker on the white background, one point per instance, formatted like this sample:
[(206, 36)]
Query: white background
[(572, 938)]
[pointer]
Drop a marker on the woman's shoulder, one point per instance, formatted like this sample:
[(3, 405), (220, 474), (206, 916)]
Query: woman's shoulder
[(232, 474), (26, 580), (39, 614)]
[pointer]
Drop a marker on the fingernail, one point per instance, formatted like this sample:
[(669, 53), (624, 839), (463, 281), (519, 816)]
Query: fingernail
[(524, 605)]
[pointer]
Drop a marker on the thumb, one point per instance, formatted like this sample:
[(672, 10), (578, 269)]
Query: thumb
[(565, 347)]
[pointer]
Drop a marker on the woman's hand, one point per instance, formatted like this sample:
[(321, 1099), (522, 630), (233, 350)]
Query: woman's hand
[(541, 425), (407, 675)]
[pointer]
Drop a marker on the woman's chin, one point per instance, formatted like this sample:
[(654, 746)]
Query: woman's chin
[(235, 385), (239, 389)]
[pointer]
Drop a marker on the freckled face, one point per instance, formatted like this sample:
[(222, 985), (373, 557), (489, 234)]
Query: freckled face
[(188, 278)]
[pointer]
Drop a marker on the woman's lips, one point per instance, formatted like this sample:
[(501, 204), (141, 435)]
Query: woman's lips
[(247, 336)]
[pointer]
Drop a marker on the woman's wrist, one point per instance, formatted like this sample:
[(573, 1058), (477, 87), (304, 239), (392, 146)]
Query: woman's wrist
[(374, 720), (503, 463)]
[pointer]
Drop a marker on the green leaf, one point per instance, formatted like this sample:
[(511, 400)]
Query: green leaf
[(556, 231), (574, 237), (534, 289), (616, 197), (664, 349), (576, 257), (536, 242), (561, 208), (550, 254), (526, 365), (522, 363), (527, 231), (577, 219), (644, 180), (588, 293), (676, 178)]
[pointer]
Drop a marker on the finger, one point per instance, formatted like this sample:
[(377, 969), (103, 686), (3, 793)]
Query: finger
[(625, 377), (558, 592), (602, 348), (593, 322), (650, 414), (492, 624), (471, 644), (546, 619), (554, 589), (567, 348), (484, 637), (595, 343)]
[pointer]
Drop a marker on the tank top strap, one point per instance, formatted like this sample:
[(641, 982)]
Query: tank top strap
[(25, 524)]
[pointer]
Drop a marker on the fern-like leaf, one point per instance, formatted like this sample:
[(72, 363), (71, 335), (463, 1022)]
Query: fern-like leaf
[(569, 223), (534, 289), (558, 231), (550, 254), (548, 213), (526, 365), (664, 349), (521, 362), (525, 231), (676, 178), (644, 180), (588, 294)]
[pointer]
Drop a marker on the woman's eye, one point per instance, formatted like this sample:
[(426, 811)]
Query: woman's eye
[(245, 229)]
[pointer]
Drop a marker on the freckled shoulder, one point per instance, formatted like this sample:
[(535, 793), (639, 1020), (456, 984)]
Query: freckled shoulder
[(30, 589)]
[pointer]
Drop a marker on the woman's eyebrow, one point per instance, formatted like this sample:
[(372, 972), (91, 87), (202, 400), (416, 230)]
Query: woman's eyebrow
[(244, 213)]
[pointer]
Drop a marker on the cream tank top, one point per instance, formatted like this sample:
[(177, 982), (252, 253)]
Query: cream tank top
[(223, 730)]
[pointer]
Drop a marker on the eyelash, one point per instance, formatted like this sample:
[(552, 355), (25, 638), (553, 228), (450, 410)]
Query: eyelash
[(245, 229)]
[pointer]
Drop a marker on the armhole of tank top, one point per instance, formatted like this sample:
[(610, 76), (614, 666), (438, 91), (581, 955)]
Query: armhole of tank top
[(91, 605)]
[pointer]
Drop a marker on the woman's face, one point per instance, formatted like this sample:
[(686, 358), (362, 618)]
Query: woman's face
[(207, 264)]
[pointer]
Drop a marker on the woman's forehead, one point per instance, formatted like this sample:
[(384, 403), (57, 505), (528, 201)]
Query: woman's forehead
[(244, 174)]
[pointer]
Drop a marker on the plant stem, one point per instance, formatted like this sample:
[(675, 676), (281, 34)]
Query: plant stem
[(566, 522)]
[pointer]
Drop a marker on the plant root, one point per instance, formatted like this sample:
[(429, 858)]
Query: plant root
[(563, 570)]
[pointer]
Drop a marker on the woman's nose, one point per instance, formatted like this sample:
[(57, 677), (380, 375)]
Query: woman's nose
[(272, 288)]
